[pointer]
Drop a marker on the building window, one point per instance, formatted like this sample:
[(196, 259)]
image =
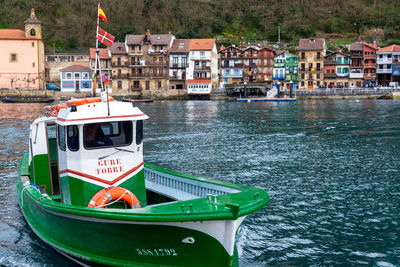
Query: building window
[(302, 83), (33, 64), (69, 76), (318, 55), (85, 75), (33, 44), (33, 32), (119, 84), (202, 54), (159, 84), (77, 76), (160, 71), (13, 57)]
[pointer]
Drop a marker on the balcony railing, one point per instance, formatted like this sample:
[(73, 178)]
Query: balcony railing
[(330, 75), (178, 65), (369, 75), (121, 76), (177, 78), (133, 88), (279, 77), (157, 75), (237, 65), (136, 75), (157, 51), (121, 64), (201, 67), (156, 63)]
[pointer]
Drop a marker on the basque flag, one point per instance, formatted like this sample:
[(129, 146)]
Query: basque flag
[(105, 37)]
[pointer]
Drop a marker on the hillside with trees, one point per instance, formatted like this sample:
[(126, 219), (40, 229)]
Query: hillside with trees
[(72, 24)]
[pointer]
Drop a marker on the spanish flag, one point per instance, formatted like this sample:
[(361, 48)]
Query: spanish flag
[(102, 15)]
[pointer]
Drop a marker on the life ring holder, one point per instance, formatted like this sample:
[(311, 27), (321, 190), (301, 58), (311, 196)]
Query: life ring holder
[(110, 195)]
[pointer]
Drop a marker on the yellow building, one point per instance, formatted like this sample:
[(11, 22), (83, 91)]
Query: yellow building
[(311, 62)]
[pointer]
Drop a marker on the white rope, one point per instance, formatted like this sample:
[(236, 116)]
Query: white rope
[(116, 200)]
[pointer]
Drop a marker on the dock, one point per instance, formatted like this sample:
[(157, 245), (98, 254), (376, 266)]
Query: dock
[(266, 99)]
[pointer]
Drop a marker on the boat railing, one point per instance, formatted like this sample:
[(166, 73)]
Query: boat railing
[(180, 188)]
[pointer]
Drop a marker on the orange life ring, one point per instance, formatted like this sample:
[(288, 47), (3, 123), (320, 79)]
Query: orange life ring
[(104, 196)]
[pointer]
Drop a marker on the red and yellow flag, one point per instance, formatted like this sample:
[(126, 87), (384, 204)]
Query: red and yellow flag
[(102, 16), (105, 37)]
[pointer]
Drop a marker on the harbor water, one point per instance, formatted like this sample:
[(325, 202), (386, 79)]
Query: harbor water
[(331, 167)]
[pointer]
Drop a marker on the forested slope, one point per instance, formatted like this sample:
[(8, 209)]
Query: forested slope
[(72, 23)]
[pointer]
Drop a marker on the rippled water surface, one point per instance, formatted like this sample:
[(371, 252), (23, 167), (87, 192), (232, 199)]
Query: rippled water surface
[(332, 169)]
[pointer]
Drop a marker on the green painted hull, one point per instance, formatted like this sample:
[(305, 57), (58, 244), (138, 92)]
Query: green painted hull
[(167, 235)]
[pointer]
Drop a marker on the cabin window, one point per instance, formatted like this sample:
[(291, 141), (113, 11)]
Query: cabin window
[(139, 132), (73, 137), (61, 138), (107, 134)]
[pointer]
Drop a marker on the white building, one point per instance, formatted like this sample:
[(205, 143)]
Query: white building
[(76, 78)]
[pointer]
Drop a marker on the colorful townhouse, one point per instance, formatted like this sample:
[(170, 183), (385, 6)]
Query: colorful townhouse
[(387, 64), (265, 65), (369, 68), (202, 73), (356, 65), (311, 62), (148, 54), (77, 79), (231, 65), (286, 70), (22, 56), (179, 63), (121, 81), (250, 63), (279, 70), (336, 70), (292, 71)]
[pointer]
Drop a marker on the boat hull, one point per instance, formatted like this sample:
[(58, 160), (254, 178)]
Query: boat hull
[(27, 100), (129, 243)]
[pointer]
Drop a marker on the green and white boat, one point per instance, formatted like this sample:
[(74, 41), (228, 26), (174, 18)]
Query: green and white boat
[(182, 220)]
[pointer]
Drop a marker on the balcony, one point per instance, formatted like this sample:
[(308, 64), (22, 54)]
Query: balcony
[(342, 75), (279, 77), (202, 67), (370, 56), (357, 54), (157, 75), (156, 63), (115, 64), (177, 78), (120, 76), (279, 65), (137, 63), (369, 75), (330, 62), (157, 51), (330, 75), (178, 65), (133, 88), (384, 71), (136, 52), (369, 65), (384, 60), (136, 75), (356, 75)]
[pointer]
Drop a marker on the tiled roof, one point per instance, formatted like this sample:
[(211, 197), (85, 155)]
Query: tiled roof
[(337, 52), (157, 39), (12, 34), (181, 45), (311, 44), (390, 48), (118, 48), (202, 44), (199, 81), (356, 46), (371, 45), (231, 46), (103, 52), (76, 68)]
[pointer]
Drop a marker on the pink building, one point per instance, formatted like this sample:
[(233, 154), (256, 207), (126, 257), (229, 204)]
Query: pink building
[(22, 56)]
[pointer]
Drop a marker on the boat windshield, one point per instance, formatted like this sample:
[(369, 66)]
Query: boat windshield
[(107, 134)]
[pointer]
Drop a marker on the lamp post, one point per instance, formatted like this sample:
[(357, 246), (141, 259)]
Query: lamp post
[(291, 89)]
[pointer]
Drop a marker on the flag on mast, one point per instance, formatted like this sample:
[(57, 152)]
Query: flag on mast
[(105, 37), (102, 16)]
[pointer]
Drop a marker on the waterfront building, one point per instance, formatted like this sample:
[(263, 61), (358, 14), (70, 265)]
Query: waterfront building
[(356, 65), (105, 63), (384, 64), (250, 62), (120, 76), (202, 73), (76, 78), (148, 55), (265, 65), (369, 68), (231, 65), (279, 70), (179, 63), (311, 62), (22, 56), (57, 61), (291, 71), (336, 70)]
